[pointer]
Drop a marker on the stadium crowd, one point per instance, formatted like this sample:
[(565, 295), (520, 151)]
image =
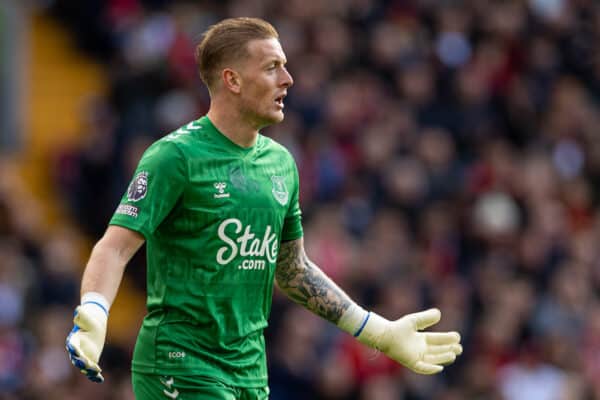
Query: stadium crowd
[(449, 156)]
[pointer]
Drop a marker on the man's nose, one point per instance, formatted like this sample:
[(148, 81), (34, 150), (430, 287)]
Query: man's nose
[(287, 79)]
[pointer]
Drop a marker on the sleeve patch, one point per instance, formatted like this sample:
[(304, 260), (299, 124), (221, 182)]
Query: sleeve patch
[(126, 209), (138, 187)]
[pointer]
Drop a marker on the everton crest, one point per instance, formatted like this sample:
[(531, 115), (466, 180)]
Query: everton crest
[(279, 190), (138, 187)]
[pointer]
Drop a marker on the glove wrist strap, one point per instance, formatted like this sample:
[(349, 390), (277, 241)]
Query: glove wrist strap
[(374, 331), (367, 327), (97, 299), (353, 320)]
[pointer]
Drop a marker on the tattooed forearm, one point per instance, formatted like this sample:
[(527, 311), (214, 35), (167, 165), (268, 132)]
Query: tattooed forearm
[(307, 285)]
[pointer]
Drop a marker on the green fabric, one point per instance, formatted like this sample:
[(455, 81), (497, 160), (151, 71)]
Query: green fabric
[(156, 387), (213, 215)]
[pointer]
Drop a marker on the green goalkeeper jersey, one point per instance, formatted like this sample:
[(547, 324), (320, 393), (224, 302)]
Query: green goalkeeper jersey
[(213, 215)]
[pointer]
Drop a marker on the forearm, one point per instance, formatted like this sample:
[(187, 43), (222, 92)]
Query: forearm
[(304, 282), (103, 273), (109, 257)]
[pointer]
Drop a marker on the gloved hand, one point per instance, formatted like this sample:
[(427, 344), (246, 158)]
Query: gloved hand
[(86, 341), (422, 352)]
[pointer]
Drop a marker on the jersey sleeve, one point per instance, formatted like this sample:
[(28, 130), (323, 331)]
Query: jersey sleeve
[(157, 184), (292, 224)]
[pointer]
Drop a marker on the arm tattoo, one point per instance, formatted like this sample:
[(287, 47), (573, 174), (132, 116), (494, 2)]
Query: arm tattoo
[(307, 285)]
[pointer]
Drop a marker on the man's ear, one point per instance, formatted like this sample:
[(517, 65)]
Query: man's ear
[(231, 80)]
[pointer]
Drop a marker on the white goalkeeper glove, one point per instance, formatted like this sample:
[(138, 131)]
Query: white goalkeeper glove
[(86, 341), (422, 352)]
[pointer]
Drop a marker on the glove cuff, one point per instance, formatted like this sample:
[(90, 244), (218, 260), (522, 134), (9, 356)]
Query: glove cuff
[(373, 331), (353, 320), (97, 299)]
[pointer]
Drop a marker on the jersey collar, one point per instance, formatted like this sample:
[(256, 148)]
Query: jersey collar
[(224, 140)]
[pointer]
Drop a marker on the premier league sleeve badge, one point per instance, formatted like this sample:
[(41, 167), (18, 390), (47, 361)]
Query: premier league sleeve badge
[(138, 187)]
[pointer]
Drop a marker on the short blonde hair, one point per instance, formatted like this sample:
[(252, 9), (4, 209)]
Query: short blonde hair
[(226, 42)]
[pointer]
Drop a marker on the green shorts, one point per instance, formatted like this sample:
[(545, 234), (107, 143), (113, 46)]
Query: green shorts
[(157, 387)]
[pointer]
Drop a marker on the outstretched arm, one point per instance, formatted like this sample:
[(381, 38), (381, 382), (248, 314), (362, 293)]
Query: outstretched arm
[(423, 352)]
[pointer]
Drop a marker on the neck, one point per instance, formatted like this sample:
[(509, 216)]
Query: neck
[(230, 122)]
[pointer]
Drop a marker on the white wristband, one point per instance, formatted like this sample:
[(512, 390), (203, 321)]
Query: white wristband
[(96, 298)]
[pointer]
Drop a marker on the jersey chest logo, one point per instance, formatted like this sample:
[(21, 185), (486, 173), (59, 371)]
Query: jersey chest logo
[(242, 241), (220, 188), (280, 191)]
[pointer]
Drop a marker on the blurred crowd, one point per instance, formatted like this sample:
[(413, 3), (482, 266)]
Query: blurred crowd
[(449, 156)]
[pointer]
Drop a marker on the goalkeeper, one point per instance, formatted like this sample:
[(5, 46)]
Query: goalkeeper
[(217, 204)]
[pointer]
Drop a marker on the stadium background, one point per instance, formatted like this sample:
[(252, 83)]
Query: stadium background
[(449, 154)]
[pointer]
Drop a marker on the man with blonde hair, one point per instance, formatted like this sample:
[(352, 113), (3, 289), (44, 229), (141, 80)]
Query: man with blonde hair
[(217, 204)]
